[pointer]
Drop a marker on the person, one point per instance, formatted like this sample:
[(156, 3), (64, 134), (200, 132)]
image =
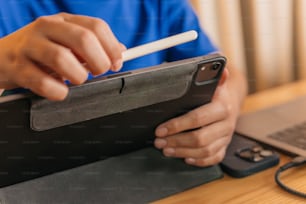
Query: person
[(44, 43)]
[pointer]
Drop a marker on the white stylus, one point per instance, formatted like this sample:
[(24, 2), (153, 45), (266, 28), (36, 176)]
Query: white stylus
[(158, 45)]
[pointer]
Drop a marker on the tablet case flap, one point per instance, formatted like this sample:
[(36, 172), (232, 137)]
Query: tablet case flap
[(110, 96), (138, 177)]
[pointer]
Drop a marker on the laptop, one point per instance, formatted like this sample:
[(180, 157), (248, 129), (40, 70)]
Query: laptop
[(102, 118), (282, 126)]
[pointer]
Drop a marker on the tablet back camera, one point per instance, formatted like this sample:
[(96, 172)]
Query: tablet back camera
[(207, 72)]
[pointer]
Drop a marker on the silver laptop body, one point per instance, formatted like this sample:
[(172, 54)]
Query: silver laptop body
[(282, 126)]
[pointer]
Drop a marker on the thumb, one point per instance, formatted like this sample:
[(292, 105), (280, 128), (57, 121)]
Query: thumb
[(224, 76)]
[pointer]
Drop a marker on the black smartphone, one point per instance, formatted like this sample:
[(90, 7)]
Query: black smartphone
[(245, 157)]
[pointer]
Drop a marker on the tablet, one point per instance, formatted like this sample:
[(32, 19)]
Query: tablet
[(104, 117)]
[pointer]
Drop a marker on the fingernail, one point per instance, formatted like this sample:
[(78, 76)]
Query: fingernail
[(190, 160), (58, 91), (169, 152), (117, 65), (161, 132), (160, 143)]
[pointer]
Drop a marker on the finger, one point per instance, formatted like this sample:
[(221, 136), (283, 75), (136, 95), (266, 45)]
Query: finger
[(51, 56), (197, 153), (212, 160), (196, 118), (224, 76), (122, 47), (80, 40), (6, 84), (221, 84), (196, 138), (51, 72), (102, 31), (29, 76)]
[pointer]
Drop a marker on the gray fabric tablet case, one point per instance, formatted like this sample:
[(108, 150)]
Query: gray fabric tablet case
[(138, 177), (114, 95), (103, 118)]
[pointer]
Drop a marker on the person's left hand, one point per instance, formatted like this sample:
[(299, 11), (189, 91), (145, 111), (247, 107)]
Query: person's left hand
[(202, 135)]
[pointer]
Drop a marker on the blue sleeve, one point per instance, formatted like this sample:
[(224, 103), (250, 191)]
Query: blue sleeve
[(181, 17)]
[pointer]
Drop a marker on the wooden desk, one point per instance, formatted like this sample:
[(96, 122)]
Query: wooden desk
[(260, 187)]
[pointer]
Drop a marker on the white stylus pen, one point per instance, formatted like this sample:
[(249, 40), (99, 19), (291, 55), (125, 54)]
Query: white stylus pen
[(158, 45)]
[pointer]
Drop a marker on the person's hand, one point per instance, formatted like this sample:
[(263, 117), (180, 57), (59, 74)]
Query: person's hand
[(43, 54), (202, 135)]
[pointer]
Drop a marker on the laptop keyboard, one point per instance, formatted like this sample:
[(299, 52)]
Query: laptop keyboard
[(295, 135)]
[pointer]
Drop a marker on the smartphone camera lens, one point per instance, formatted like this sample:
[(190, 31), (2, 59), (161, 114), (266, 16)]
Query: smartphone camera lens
[(254, 154), (216, 66)]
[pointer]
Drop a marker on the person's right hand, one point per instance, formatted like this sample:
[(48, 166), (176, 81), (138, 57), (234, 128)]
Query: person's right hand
[(54, 48)]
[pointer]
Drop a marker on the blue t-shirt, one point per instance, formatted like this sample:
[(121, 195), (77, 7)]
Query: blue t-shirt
[(134, 22)]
